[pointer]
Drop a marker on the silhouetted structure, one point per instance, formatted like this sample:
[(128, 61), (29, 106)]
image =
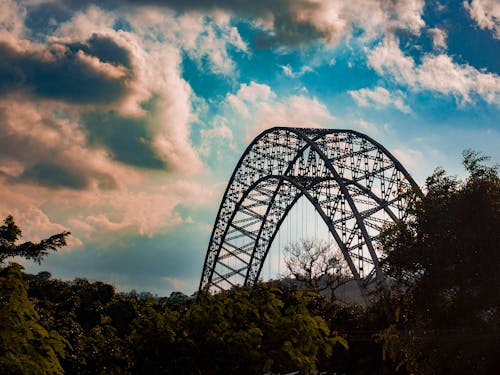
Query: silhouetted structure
[(353, 182)]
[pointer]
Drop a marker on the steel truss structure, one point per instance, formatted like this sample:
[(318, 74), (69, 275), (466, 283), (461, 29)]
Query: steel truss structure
[(355, 185)]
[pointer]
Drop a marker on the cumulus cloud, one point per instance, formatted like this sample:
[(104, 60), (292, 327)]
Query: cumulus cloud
[(260, 108), (61, 71), (289, 22), (214, 138), (437, 73), (486, 13), (438, 37), (334, 20), (379, 97), (203, 37), (89, 62), (51, 172), (88, 110), (51, 150), (147, 211)]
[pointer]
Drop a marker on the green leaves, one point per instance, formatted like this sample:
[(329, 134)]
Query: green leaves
[(25, 345)]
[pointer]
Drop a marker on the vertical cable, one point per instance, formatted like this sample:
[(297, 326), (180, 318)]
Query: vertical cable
[(269, 257), (315, 225), (302, 218)]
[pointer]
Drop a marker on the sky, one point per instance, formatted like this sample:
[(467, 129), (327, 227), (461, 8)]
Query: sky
[(122, 120)]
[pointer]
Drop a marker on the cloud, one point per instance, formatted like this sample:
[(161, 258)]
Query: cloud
[(438, 37), (95, 119), (292, 22), (51, 150), (437, 73), (289, 72), (379, 97), (410, 158), (260, 108), (207, 39), (214, 139), (486, 13), (126, 138), (36, 225), (177, 284), (12, 15), (368, 127), (61, 71), (334, 20), (86, 62)]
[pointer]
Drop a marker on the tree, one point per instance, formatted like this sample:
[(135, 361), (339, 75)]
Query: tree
[(10, 234), (26, 347), (444, 265), (317, 265), (251, 332), (92, 318)]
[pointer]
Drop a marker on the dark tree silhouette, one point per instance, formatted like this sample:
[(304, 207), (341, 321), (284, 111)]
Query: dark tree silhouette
[(444, 265), (317, 265), (10, 234)]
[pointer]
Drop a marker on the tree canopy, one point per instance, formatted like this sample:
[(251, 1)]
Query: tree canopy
[(26, 347), (444, 270)]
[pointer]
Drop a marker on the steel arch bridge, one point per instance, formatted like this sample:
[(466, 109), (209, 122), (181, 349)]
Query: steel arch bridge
[(355, 185)]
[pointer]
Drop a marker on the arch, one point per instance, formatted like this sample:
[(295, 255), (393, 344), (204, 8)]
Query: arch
[(352, 181)]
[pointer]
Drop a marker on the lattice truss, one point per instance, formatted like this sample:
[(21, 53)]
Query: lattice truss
[(355, 185)]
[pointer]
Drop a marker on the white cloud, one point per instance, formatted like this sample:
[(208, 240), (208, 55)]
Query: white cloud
[(435, 73), (408, 157), (486, 13), (196, 34), (247, 94), (156, 60), (214, 139), (108, 198), (146, 211), (379, 97), (289, 72), (92, 20), (335, 19), (438, 37), (31, 133), (259, 108)]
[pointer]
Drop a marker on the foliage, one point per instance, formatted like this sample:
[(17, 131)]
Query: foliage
[(239, 331), (242, 332), (10, 234), (92, 318), (26, 347), (445, 282)]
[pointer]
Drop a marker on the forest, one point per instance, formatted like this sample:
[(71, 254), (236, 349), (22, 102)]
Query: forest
[(438, 312)]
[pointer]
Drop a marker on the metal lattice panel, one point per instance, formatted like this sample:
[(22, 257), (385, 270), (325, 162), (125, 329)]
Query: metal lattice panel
[(353, 182)]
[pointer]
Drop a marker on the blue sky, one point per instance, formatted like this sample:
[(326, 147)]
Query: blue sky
[(121, 121)]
